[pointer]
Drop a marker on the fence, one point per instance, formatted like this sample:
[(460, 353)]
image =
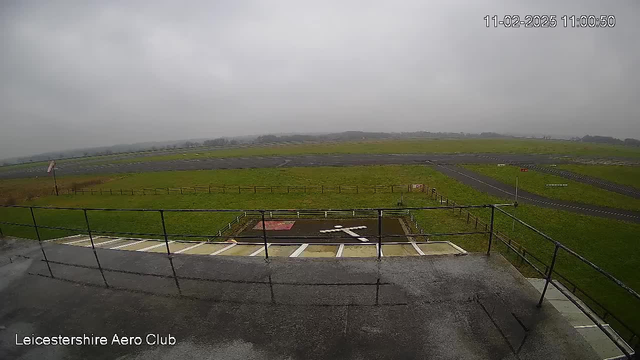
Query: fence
[(243, 189), (548, 271)]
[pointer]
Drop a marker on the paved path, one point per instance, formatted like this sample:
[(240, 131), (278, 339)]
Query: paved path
[(440, 307), (497, 188), (279, 161)]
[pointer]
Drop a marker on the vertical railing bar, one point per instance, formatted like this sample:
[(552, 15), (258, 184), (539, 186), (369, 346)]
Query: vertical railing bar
[(379, 234), (264, 236), (546, 284), (35, 226), (93, 247), (493, 209)]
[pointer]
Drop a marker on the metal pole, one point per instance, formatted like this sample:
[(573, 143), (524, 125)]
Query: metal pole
[(55, 182), (379, 234), (264, 236), (493, 210), (513, 224), (164, 231), (546, 284), (93, 247), (35, 226)]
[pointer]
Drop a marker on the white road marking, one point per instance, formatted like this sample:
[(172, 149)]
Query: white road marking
[(340, 250), (77, 241), (125, 245), (348, 231), (415, 246), (299, 250), (154, 246), (259, 250), (189, 248), (105, 242), (223, 249)]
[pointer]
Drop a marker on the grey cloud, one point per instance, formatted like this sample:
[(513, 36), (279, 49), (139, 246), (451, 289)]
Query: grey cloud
[(77, 74)]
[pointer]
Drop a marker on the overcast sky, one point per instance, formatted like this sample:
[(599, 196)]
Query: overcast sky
[(93, 73)]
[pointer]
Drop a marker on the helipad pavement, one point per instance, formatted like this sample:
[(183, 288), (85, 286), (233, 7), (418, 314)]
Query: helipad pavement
[(258, 249)]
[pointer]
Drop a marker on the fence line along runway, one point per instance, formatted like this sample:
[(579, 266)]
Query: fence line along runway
[(496, 188)]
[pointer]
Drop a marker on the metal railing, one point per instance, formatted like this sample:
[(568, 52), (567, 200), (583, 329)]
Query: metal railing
[(546, 270), (263, 214)]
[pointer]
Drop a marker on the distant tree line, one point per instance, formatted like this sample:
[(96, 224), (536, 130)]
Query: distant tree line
[(610, 140)]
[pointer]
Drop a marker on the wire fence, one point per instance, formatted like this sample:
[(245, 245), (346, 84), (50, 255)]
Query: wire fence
[(255, 189)]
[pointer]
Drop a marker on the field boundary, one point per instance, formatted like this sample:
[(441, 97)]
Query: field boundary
[(255, 189)]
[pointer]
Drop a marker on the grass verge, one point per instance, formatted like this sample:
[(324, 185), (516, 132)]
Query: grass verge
[(535, 182)]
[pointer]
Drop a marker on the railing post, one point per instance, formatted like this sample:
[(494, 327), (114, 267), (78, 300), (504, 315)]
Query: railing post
[(35, 226), (166, 242), (93, 247), (164, 231), (264, 236), (379, 234), (546, 284), (493, 210)]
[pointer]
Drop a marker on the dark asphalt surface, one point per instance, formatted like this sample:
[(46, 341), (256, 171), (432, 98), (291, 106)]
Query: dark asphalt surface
[(496, 188), (440, 307), (280, 161)]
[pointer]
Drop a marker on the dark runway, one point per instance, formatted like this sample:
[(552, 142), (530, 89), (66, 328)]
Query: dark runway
[(281, 161), (496, 188)]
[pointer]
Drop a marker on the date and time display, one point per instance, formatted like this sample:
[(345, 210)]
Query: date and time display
[(550, 21)]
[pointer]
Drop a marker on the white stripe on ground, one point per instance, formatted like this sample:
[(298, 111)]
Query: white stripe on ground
[(415, 246), (125, 245), (223, 249), (259, 250), (299, 250), (189, 248), (105, 242), (154, 246), (340, 250), (77, 241)]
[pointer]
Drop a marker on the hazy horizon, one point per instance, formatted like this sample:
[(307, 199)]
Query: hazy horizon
[(91, 74)]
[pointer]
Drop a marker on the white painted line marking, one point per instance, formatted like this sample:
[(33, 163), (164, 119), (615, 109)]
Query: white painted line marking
[(189, 248), (65, 238), (154, 246), (415, 246), (462, 251), (587, 326), (299, 250), (259, 251), (223, 249), (105, 242), (125, 245), (340, 250), (77, 241)]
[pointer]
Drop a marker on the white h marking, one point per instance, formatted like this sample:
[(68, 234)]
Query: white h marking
[(348, 231)]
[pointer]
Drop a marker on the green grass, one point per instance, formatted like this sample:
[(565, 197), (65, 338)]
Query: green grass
[(609, 243), (535, 182), (624, 175), (502, 146)]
